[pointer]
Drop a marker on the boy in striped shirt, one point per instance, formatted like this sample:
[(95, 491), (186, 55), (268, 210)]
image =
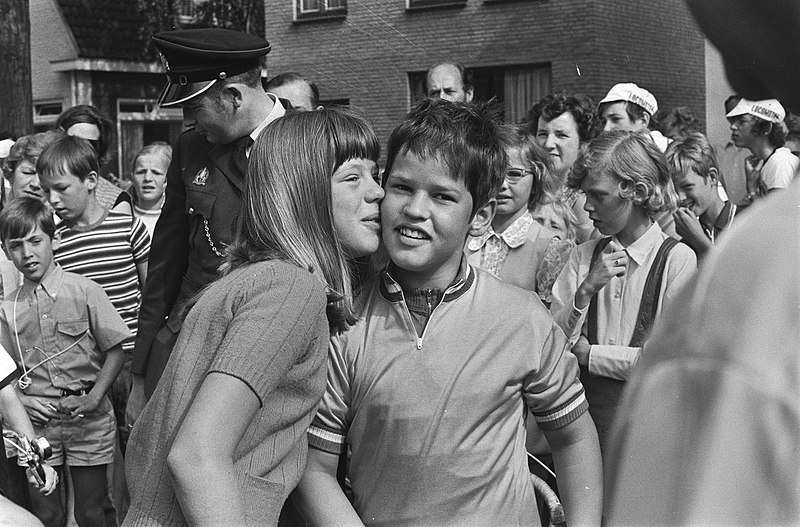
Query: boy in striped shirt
[(108, 247)]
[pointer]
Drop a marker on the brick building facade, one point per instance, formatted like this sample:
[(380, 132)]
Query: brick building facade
[(373, 52), (95, 53)]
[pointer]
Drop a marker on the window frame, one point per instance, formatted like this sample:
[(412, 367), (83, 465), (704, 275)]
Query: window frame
[(324, 12), (418, 5), (187, 12)]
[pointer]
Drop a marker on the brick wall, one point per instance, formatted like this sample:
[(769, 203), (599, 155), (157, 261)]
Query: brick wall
[(366, 56)]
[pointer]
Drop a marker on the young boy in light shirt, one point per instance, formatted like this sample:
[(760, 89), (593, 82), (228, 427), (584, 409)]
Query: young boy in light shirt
[(66, 336), (612, 288)]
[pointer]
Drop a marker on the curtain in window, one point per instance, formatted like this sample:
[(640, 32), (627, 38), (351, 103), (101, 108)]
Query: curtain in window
[(523, 88)]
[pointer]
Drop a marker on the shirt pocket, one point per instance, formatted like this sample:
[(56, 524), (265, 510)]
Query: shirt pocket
[(76, 343), (199, 203), (73, 328), (73, 335)]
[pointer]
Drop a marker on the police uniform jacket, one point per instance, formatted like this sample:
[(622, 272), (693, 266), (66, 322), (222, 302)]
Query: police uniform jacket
[(203, 198)]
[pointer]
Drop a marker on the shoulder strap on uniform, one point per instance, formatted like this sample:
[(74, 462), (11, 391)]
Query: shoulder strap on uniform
[(592, 315), (651, 294)]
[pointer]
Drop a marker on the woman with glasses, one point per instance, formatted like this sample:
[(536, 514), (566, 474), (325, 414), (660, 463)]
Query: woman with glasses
[(517, 248), (520, 250)]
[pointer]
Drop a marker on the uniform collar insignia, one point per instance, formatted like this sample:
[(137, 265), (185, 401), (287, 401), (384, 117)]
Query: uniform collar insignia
[(201, 177)]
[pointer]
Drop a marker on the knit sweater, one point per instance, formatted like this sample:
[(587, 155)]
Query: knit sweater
[(264, 324)]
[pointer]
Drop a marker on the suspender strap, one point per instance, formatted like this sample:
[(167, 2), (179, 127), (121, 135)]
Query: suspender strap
[(592, 315), (651, 294), (603, 393)]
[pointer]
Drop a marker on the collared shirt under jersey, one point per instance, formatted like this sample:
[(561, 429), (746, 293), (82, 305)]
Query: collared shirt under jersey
[(66, 323), (618, 302)]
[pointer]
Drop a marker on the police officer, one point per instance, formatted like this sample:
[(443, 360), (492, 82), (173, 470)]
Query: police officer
[(215, 75)]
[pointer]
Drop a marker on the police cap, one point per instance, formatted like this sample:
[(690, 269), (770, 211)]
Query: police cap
[(196, 58)]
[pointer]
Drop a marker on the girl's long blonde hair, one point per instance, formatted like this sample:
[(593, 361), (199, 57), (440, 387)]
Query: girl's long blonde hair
[(286, 210)]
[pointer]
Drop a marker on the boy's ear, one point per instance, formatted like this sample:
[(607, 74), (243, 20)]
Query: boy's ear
[(91, 180), (483, 218), (56, 241), (713, 176), (5, 251)]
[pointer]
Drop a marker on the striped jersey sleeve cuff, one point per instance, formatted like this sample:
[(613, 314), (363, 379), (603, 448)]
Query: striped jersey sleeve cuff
[(326, 440), (564, 414)]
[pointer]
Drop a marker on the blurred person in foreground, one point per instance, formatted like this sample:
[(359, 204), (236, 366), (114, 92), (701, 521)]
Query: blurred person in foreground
[(710, 429)]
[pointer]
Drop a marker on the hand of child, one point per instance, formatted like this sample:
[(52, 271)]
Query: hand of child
[(613, 261), (688, 226), (581, 351), (39, 410), (50, 479), (136, 400), (78, 405)]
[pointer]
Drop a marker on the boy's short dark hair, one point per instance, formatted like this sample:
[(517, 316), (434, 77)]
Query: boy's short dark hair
[(21, 217), (70, 153), (464, 136)]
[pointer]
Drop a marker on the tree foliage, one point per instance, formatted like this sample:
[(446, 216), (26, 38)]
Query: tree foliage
[(241, 15), (160, 15), (165, 15)]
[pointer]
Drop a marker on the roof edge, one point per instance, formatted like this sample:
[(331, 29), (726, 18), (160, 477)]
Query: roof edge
[(109, 65)]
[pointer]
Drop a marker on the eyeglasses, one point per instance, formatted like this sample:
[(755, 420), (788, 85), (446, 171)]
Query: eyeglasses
[(515, 174)]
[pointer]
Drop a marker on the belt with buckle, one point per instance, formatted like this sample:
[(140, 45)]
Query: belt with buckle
[(83, 391)]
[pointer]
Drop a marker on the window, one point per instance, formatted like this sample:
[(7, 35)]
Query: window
[(319, 9), (423, 4), (516, 87), (45, 114), (187, 11)]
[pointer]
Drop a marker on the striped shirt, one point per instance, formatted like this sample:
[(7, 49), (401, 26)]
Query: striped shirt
[(108, 253)]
